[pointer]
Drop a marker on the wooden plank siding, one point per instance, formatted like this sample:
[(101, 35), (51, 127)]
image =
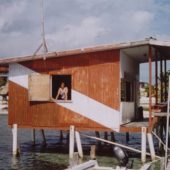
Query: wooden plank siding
[(96, 75)]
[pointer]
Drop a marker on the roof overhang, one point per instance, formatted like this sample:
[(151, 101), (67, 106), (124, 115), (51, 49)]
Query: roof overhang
[(137, 50)]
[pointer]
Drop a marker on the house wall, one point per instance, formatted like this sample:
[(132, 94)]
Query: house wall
[(130, 67), (95, 93)]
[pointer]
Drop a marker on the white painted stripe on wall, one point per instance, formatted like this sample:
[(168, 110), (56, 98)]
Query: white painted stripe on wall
[(80, 104), (94, 110), (19, 74)]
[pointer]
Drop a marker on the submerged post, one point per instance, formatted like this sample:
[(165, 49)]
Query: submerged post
[(43, 137), (79, 145), (71, 142), (93, 152), (33, 136), (14, 140), (143, 145), (151, 146)]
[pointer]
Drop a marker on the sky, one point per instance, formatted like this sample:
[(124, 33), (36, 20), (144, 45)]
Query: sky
[(71, 24)]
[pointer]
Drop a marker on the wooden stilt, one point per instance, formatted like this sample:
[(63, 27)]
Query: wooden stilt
[(61, 135), (15, 150), (33, 136), (158, 134), (98, 136), (71, 142), (161, 78), (105, 135), (93, 152), (151, 146), (143, 145), (156, 77), (79, 145), (75, 160), (112, 136), (165, 81), (127, 136), (43, 137), (150, 86), (67, 137)]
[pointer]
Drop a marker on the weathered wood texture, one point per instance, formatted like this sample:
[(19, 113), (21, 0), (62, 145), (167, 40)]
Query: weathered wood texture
[(96, 75), (39, 87)]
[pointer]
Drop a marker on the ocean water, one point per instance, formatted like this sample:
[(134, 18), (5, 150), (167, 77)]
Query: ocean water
[(55, 154)]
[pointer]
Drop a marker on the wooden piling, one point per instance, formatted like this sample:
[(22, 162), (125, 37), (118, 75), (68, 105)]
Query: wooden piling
[(156, 76), (151, 146), (43, 137), (93, 152), (143, 144), (127, 137), (74, 160), (105, 136), (71, 142), (61, 135), (33, 136), (112, 136), (79, 145), (15, 150), (150, 85), (98, 136)]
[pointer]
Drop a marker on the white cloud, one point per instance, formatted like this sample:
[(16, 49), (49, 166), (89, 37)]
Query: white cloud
[(79, 35), (9, 12), (79, 23)]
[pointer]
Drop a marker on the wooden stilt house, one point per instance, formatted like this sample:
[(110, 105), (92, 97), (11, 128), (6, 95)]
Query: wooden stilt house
[(102, 86)]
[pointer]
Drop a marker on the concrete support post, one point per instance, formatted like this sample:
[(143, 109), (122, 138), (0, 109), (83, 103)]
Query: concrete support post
[(43, 137), (93, 152), (33, 136), (112, 136), (151, 146), (14, 140), (79, 145), (71, 142), (127, 137), (143, 145)]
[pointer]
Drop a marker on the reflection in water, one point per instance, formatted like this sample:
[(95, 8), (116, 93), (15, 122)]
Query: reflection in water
[(14, 164), (55, 154)]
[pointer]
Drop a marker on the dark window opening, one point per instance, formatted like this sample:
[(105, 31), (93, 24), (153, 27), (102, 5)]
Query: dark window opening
[(127, 91), (61, 87)]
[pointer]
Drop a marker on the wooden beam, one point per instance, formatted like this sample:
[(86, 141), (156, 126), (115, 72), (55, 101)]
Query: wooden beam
[(150, 85), (156, 76), (165, 81), (161, 75)]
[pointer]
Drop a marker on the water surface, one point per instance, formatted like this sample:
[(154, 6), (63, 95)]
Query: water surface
[(55, 154)]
